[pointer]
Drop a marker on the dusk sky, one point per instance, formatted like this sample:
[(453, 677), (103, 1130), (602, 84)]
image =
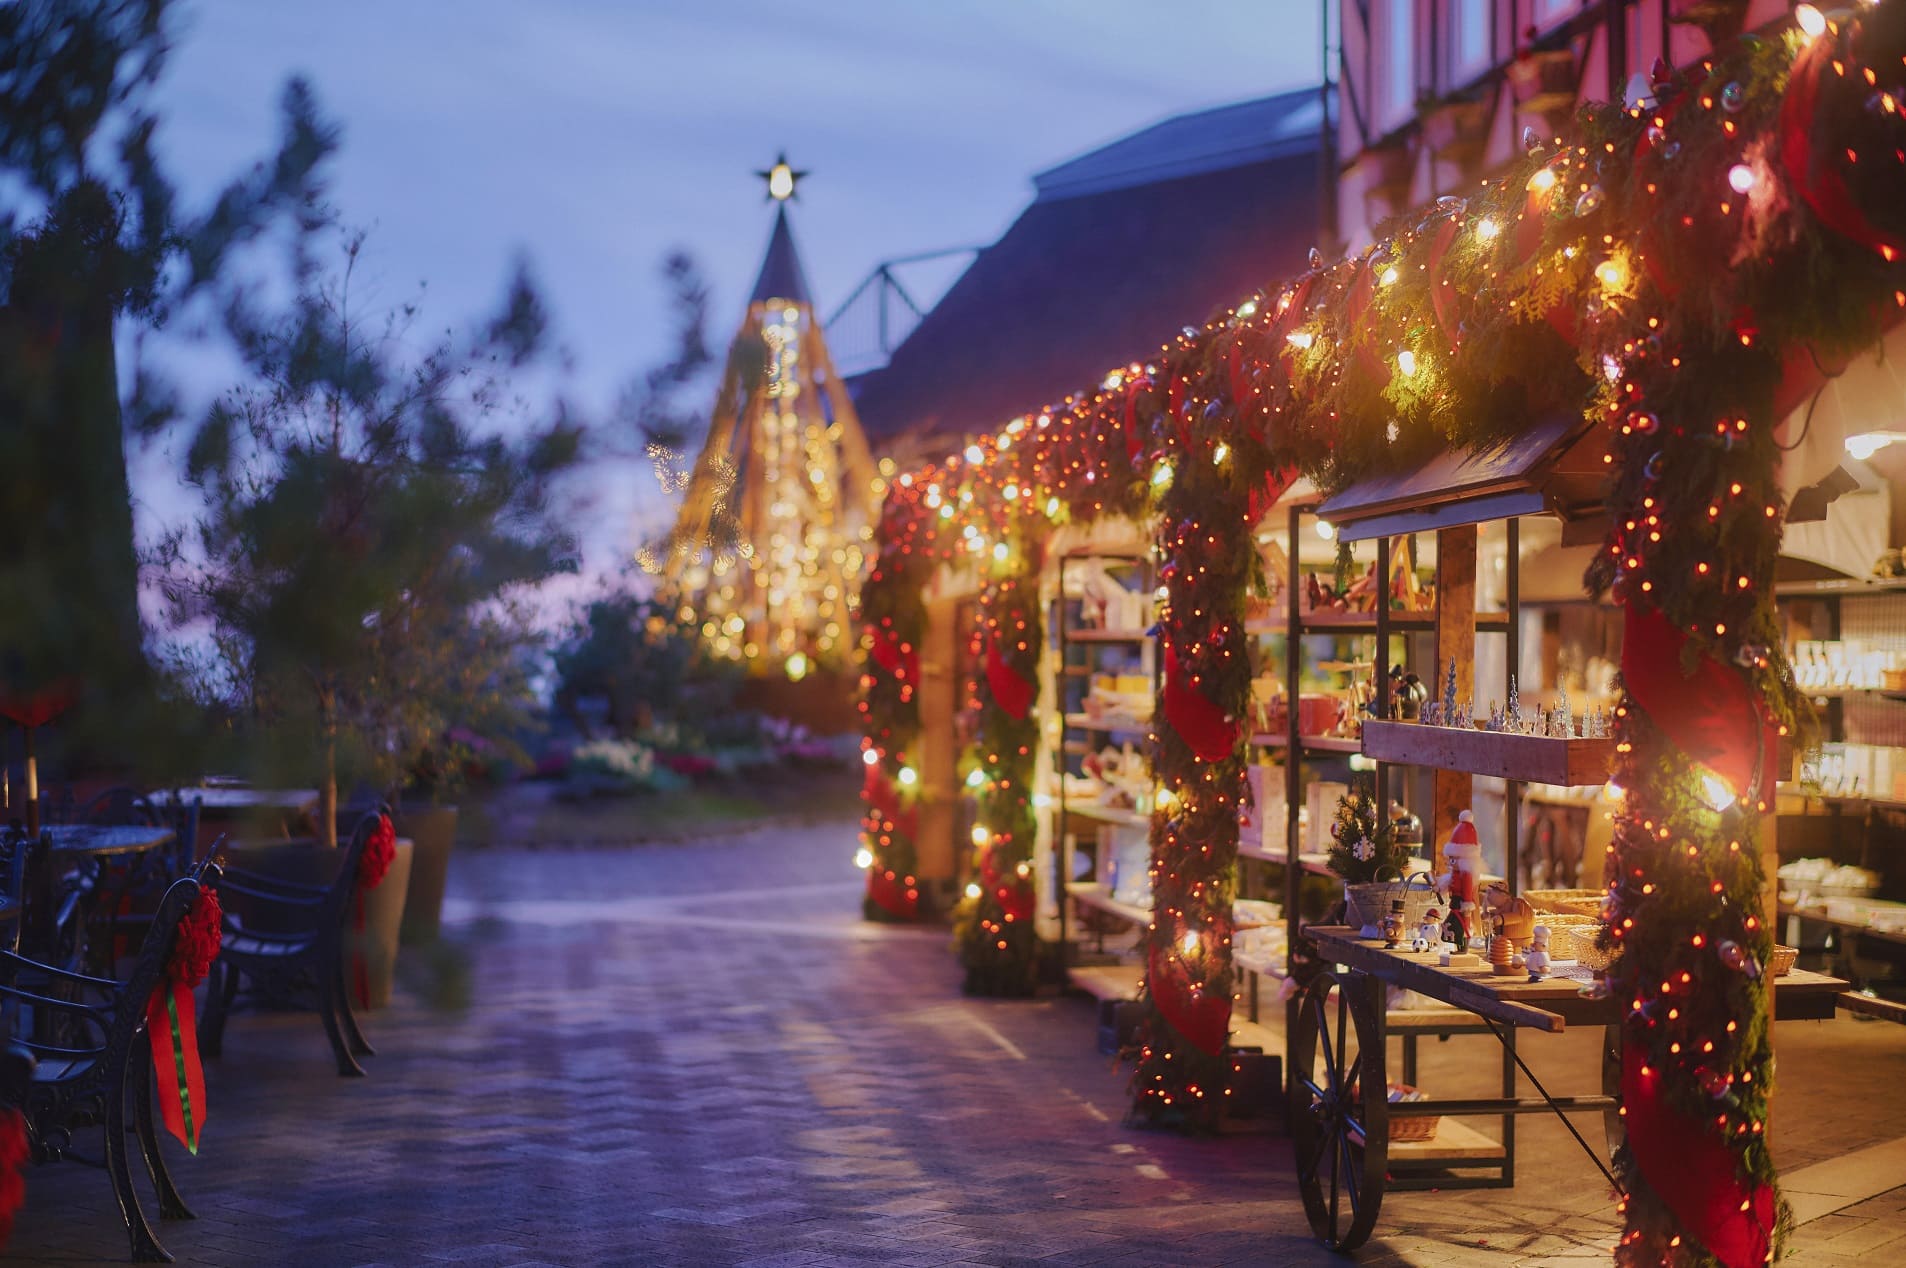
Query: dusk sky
[(594, 135)]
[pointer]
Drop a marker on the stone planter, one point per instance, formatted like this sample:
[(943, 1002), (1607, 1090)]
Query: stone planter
[(308, 863), (375, 945), (434, 830)]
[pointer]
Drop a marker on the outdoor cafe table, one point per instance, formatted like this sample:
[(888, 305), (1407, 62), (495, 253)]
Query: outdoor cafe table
[(1338, 1046), (224, 804), (69, 844)]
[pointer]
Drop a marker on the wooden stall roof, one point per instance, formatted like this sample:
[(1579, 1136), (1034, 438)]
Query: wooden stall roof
[(1552, 467)]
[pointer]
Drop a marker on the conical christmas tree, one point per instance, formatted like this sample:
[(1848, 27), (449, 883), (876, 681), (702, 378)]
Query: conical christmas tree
[(766, 553)]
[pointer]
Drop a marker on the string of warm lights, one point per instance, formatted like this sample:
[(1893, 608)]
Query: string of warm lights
[(1681, 274)]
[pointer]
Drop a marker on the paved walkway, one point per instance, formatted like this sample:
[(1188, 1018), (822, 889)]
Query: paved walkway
[(699, 1055)]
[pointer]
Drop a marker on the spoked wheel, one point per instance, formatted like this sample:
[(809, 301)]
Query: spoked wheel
[(1339, 1111)]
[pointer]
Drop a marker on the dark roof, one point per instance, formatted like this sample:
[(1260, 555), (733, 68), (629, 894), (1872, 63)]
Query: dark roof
[(1208, 141), (1105, 266), (781, 275)]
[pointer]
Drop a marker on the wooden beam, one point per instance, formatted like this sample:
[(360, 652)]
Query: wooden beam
[(1455, 643)]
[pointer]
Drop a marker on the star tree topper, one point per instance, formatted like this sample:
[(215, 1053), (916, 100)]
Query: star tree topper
[(781, 179)]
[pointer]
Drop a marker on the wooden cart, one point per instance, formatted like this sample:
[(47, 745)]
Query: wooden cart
[(1340, 1113)]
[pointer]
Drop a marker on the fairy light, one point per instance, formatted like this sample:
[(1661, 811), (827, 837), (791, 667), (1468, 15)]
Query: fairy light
[(1812, 23), (1487, 229)]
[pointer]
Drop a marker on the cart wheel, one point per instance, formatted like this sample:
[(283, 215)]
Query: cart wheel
[(1341, 1137)]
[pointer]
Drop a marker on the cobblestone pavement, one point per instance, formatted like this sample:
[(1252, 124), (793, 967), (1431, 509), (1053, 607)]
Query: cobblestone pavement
[(697, 1054)]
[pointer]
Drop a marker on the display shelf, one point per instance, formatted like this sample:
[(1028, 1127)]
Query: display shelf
[(1330, 743), (1086, 722), (1106, 981), (1107, 636), (1818, 915), (1841, 799), (1852, 693), (1316, 864), (1109, 814), (1268, 739), (1091, 894), (1536, 759), (1331, 622), (1454, 1141), (1850, 588)]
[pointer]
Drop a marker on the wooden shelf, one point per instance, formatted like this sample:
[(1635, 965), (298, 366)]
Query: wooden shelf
[(1851, 588), (1106, 981), (1851, 693), (1092, 894), (1818, 915), (1530, 758), (1085, 722), (1106, 636), (1842, 799), (1330, 744), (1108, 814), (1454, 1140), (1328, 622), (1317, 864)]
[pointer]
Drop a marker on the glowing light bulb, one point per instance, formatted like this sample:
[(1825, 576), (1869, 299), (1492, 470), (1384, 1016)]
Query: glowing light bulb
[(796, 666), (980, 835), (1487, 229), (1052, 508), (1300, 339), (972, 889), (1161, 475), (870, 756), (1190, 942), (1741, 178), (1389, 276), (1866, 444), (1715, 791), (1406, 362), (1544, 179), (1000, 552), (1611, 274), (1811, 21), (1219, 454), (1326, 530), (975, 454), (863, 858), (976, 778), (909, 776)]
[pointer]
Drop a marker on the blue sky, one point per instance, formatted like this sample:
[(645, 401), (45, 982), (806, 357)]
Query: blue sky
[(593, 135)]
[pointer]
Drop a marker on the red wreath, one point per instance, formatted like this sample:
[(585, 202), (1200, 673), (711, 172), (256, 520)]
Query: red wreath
[(13, 1160), (172, 1019)]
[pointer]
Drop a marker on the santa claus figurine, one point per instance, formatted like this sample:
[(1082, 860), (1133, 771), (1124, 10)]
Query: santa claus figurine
[(1462, 854)]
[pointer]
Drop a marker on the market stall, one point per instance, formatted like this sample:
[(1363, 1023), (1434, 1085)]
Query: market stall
[(1669, 292)]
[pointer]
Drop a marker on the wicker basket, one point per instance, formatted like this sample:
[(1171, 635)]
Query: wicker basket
[(1366, 905), (1781, 963), (1568, 902), (1572, 937), (1413, 1128)]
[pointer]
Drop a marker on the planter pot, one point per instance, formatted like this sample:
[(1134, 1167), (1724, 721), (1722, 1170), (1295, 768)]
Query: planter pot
[(375, 945), (434, 830)]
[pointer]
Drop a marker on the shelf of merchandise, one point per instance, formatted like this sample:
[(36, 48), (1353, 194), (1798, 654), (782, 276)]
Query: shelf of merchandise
[(1092, 894), (1530, 759), (1081, 734), (1861, 818)]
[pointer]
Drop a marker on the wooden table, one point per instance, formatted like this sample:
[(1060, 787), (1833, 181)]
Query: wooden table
[(74, 840), (235, 800), (1344, 1156)]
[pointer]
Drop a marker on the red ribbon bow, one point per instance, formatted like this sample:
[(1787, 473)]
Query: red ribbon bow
[(172, 1020)]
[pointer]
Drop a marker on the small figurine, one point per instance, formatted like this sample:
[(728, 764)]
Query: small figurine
[(1462, 857), (1514, 709), (1502, 955), (1456, 928), (1465, 715), (1449, 694), (1392, 925), (1537, 958), (1429, 934), (1496, 721), (1429, 713), (1407, 694), (1564, 718)]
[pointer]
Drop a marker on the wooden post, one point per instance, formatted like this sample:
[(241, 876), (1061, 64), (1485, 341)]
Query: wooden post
[(1455, 641), (934, 853)]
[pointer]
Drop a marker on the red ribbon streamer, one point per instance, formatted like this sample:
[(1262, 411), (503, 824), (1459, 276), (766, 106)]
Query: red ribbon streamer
[(1203, 1018), (172, 1029), (1713, 714), (1814, 173), (1202, 725), (1693, 1171), (1010, 691)]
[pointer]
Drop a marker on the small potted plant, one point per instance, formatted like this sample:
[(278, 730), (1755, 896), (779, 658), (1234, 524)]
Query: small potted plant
[(1365, 852)]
